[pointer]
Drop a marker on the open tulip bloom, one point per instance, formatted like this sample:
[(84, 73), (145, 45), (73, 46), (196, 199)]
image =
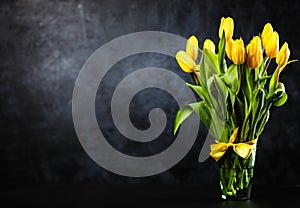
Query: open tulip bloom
[(237, 88)]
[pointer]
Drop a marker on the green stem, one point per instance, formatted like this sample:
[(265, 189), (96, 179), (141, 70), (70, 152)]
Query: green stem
[(240, 79), (265, 69), (193, 78), (241, 178), (244, 123), (277, 77), (237, 176), (256, 76)]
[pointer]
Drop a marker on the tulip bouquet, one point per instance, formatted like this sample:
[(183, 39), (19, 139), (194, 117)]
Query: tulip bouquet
[(237, 88)]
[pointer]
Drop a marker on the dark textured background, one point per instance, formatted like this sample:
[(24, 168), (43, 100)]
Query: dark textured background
[(43, 45)]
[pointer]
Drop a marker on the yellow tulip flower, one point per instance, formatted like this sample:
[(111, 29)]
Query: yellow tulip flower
[(266, 34), (272, 46), (227, 25), (192, 47), (209, 45), (254, 53), (186, 63), (238, 52), (228, 48), (283, 55)]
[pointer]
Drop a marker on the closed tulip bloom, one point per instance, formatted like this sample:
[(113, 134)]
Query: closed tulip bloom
[(266, 34), (209, 45), (254, 53), (228, 48), (186, 63), (272, 46), (192, 47), (238, 52), (283, 55), (227, 25)]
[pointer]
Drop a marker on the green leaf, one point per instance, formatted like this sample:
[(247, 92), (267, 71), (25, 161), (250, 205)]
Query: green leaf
[(211, 62), (247, 130), (231, 77), (200, 91), (264, 118), (218, 93), (208, 67), (291, 61), (230, 108), (262, 81), (258, 99), (204, 114), (273, 82), (232, 98), (221, 52), (223, 92), (281, 99), (282, 96), (280, 88), (212, 92), (250, 73), (217, 125), (203, 72), (257, 102), (246, 85), (200, 108), (183, 113), (263, 78), (263, 65)]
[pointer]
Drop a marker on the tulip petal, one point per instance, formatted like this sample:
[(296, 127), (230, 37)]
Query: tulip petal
[(238, 52), (266, 33), (283, 55), (272, 46), (227, 25), (254, 53), (228, 48), (192, 47), (185, 62), (209, 45)]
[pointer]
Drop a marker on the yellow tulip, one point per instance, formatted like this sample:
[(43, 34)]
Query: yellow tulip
[(228, 48), (272, 46), (192, 47), (238, 52), (209, 45), (227, 25), (186, 63), (283, 55), (254, 53), (266, 34)]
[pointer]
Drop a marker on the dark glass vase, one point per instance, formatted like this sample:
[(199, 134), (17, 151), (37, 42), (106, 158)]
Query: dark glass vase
[(236, 175)]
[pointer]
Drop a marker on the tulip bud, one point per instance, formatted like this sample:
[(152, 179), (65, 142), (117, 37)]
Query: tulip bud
[(283, 55), (254, 53), (227, 25), (192, 47), (209, 45), (186, 63), (266, 34), (272, 46), (228, 48), (238, 52)]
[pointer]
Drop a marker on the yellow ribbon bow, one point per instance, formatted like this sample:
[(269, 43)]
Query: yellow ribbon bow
[(242, 149)]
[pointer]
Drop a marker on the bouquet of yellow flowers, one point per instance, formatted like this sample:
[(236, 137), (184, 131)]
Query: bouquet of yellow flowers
[(237, 89)]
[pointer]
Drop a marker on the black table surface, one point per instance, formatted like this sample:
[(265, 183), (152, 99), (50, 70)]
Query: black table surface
[(156, 195)]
